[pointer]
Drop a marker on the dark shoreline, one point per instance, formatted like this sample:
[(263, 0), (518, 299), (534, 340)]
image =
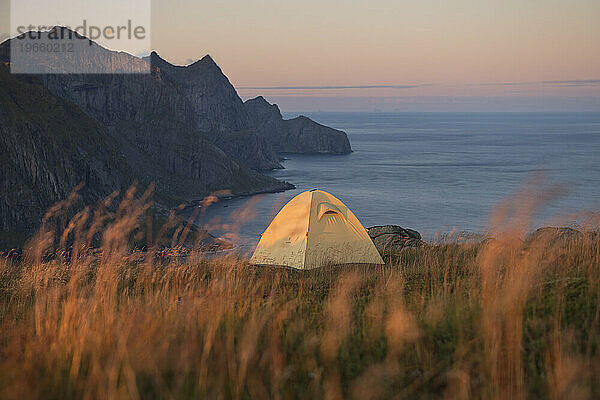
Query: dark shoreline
[(197, 203)]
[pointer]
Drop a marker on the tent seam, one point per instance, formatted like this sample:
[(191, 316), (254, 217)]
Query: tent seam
[(308, 227)]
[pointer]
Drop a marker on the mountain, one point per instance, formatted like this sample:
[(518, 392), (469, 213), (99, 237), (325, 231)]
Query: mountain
[(107, 131), (214, 100), (47, 147), (297, 135), (197, 97), (217, 110), (182, 127), (160, 131), (155, 128)]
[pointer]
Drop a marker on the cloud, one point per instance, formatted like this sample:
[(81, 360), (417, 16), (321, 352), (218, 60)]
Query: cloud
[(306, 104), (332, 87), (567, 83)]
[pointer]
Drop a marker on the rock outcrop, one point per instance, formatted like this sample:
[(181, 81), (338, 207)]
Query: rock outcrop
[(217, 110), (297, 135), (551, 236), (392, 238)]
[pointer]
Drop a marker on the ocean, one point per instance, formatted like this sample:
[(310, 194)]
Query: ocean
[(435, 172)]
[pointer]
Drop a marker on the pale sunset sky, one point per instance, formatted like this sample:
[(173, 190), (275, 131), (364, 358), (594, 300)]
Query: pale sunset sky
[(384, 55)]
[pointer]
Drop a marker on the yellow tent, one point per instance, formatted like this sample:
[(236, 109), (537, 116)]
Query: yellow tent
[(312, 230)]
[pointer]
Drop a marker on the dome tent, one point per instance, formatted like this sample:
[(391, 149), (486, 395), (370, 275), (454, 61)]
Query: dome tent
[(312, 230)]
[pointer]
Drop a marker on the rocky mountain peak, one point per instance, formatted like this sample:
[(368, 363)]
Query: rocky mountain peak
[(261, 108), (259, 99), (157, 61), (207, 59), (156, 58), (85, 56), (205, 64)]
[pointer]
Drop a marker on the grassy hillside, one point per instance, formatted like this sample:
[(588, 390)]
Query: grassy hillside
[(502, 319)]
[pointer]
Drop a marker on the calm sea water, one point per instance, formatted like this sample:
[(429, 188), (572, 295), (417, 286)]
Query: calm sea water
[(436, 172)]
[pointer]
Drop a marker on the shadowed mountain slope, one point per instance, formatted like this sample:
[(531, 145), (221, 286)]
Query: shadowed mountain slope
[(197, 97), (47, 147)]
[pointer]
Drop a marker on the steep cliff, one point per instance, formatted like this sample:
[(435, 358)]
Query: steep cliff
[(155, 127), (159, 122), (197, 97), (48, 146), (217, 110), (215, 103), (181, 127), (108, 131), (297, 135)]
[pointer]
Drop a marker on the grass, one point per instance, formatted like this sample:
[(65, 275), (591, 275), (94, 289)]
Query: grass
[(506, 318)]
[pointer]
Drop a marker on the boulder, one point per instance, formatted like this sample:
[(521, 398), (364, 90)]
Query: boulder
[(552, 235), (394, 238)]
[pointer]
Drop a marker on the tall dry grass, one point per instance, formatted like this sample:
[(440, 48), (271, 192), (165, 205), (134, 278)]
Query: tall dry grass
[(84, 315)]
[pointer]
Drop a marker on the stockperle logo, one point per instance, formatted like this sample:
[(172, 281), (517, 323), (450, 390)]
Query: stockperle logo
[(71, 36), (92, 32)]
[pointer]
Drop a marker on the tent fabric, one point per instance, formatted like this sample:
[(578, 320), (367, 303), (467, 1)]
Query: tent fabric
[(312, 230)]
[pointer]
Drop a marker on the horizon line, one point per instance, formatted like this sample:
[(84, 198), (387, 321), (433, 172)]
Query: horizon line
[(558, 83), (333, 87)]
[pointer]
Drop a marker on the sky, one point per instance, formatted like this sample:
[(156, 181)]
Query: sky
[(386, 55)]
